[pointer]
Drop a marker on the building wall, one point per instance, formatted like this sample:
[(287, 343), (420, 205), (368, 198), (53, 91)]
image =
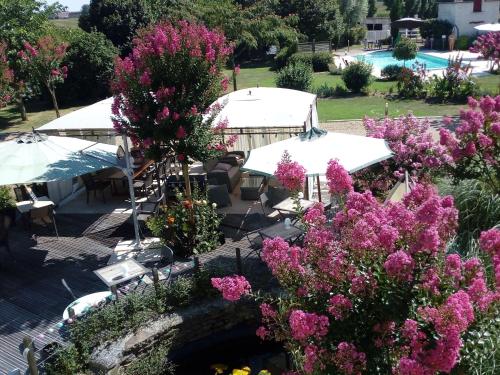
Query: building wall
[(462, 15)]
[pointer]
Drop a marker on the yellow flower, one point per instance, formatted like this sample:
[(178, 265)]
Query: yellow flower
[(219, 368), (264, 372), (244, 371)]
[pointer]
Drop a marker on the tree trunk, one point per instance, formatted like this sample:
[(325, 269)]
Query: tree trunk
[(22, 109), (187, 183), (54, 100)]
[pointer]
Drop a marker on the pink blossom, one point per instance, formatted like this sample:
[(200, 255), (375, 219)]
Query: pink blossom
[(262, 332), (339, 181), (181, 133), (490, 241), (290, 173), (304, 325), (338, 306), (399, 265), (232, 287), (349, 360)]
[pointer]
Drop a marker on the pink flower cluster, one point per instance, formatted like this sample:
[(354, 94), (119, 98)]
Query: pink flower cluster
[(475, 144), (339, 181), (6, 76), (304, 325), (290, 173), (232, 287), (339, 306), (349, 360), (488, 45), (490, 242), (163, 88), (400, 265)]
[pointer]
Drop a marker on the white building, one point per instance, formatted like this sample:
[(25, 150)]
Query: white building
[(378, 28), (465, 14)]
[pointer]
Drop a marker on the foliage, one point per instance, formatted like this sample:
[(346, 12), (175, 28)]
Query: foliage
[(478, 210), (356, 34), (65, 362), (372, 8), (391, 72), (414, 148), (90, 61), (166, 85), (189, 226), (6, 77), (488, 46), (295, 76), (357, 76), (119, 20), (411, 83), (455, 83), (44, 63), (464, 42), (334, 69), (6, 199), (327, 91), (435, 28), (475, 144), (153, 362), (374, 291), (405, 49), (319, 60)]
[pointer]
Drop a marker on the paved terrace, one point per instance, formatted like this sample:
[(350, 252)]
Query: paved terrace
[(32, 297)]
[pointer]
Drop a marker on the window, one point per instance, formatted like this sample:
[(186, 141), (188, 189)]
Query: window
[(477, 5), (369, 26), (377, 26)]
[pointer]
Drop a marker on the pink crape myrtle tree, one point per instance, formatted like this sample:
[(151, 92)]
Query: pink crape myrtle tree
[(374, 291), (415, 151), (488, 46), (164, 88), (44, 63), (475, 144), (6, 77)]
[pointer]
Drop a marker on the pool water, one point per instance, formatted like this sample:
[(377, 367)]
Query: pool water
[(381, 59)]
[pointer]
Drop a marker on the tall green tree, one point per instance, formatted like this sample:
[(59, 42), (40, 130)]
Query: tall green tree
[(372, 8), (22, 21), (119, 20)]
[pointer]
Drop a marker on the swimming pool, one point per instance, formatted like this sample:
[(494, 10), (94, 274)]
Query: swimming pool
[(380, 59)]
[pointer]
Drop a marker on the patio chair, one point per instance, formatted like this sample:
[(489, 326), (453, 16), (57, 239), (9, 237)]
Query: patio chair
[(45, 215), (147, 209), (5, 223), (219, 194), (95, 186), (145, 185)]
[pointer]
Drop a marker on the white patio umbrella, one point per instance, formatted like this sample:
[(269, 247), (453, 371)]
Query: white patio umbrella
[(314, 149), (488, 27), (40, 158)]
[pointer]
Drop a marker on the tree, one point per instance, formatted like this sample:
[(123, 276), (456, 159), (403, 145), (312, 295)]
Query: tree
[(165, 85), (372, 8), (405, 49), (43, 62), (396, 12), (6, 77), (119, 20), (20, 21), (412, 8), (90, 61)]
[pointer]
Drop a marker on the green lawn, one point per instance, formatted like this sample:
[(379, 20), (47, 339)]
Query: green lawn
[(72, 23), (358, 106), (10, 120)]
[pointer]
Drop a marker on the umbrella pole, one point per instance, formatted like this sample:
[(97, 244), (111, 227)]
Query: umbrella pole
[(128, 172), (319, 188)]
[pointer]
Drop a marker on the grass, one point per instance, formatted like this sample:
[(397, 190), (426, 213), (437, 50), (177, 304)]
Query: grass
[(71, 23), (356, 107), (38, 114)]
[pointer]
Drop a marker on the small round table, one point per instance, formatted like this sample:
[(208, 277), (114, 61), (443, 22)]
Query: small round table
[(83, 303)]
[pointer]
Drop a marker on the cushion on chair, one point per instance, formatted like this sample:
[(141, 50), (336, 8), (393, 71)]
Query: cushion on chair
[(223, 167), (219, 194)]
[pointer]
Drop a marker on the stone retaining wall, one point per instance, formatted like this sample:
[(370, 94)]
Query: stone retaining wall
[(185, 326)]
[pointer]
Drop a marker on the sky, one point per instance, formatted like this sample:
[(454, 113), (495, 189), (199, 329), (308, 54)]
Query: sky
[(73, 5)]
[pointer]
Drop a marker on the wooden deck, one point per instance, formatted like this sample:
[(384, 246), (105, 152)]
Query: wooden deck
[(32, 297)]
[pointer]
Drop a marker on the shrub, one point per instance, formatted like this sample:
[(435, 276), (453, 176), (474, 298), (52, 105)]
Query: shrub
[(435, 28), (391, 72), (411, 83), (319, 60), (283, 55), (488, 46), (405, 49), (455, 84), (153, 362), (357, 34), (324, 91), (90, 59), (295, 76), (357, 76), (464, 42), (6, 199)]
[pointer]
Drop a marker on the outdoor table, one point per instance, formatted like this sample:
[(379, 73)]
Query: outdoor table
[(26, 206), (121, 272), (281, 229), (251, 187), (113, 175), (288, 205), (82, 304)]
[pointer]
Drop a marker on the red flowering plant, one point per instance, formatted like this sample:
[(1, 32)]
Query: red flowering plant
[(6, 77), (43, 62), (375, 292), (488, 46), (164, 88), (475, 144), (414, 151)]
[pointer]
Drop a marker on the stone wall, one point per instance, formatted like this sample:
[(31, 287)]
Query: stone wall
[(184, 326)]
